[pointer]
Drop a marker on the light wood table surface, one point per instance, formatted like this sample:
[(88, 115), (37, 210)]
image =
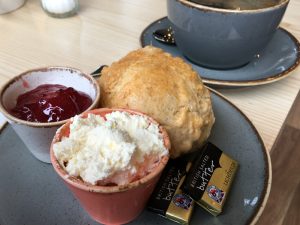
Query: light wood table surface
[(105, 30), (283, 204)]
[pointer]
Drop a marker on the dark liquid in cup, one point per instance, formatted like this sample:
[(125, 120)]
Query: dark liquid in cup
[(238, 4), (50, 103)]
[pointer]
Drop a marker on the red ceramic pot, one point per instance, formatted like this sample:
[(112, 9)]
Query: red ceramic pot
[(111, 204)]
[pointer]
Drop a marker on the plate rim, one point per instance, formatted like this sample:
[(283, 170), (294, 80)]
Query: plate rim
[(268, 173), (268, 182), (241, 83)]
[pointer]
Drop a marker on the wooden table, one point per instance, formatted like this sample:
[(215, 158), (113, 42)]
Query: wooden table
[(283, 204), (105, 30)]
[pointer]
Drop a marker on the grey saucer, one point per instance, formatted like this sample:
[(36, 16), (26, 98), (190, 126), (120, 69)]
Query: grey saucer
[(279, 58), (32, 194)]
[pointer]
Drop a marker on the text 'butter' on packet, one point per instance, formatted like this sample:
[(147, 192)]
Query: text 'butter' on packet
[(209, 178), (167, 200)]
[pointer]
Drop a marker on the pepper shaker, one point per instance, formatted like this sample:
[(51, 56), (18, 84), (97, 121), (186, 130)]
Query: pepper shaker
[(60, 8)]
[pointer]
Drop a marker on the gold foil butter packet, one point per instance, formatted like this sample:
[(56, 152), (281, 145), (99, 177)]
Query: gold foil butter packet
[(209, 180), (167, 200)]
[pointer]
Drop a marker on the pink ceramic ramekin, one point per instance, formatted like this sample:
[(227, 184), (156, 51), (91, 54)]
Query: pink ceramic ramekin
[(111, 204)]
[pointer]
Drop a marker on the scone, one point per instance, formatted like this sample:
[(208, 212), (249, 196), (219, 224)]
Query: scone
[(164, 87)]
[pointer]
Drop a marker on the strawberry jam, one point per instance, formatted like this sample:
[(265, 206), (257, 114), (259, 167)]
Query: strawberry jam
[(50, 103)]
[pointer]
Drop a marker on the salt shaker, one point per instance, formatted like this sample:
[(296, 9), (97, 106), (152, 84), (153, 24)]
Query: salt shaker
[(60, 8), (7, 6)]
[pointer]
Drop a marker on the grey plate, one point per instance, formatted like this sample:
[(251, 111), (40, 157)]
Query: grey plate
[(32, 194), (280, 57)]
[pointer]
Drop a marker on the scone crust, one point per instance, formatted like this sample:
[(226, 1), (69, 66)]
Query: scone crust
[(164, 87)]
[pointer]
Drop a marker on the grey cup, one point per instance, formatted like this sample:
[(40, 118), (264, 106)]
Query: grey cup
[(222, 38)]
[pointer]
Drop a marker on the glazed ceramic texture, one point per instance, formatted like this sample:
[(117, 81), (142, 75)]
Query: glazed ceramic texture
[(277, 60), (221, 38), (114, 204), (232, 132), (37, 136)]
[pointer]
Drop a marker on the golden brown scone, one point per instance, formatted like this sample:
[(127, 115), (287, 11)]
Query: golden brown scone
[(164, 87)]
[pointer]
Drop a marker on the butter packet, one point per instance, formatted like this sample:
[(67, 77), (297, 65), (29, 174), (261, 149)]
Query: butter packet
[(209, 179), (167, 200)]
